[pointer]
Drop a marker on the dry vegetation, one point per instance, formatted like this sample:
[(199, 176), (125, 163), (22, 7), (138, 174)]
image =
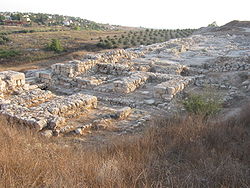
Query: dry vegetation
[(31, 46), (179, 152)]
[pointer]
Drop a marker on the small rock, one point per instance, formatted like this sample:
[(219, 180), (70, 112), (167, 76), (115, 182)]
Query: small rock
[(47, 133), (150, 101)]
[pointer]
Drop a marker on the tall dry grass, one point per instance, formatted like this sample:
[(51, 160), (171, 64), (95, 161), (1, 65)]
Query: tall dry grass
[(179, 152)]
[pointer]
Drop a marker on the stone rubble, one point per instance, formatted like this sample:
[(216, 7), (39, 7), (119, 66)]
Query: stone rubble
[(10, 81), (129, 85)]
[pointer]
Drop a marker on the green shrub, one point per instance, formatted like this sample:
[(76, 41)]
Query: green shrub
[(202, 105), (8, 53), (4, 39), (77, 28), (55, 45)]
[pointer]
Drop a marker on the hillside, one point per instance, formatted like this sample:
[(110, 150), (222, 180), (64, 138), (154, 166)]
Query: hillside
[(166, 114), (231, 28), (25, 37), (24, 45), (178, 153), (33, 19)]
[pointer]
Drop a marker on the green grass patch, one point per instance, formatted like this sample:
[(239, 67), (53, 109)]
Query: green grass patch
[(9, 53), (4, 39), (202, 105), (55, 45)]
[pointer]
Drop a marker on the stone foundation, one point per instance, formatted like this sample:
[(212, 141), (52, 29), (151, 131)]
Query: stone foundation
[(129, 84), (166, 90), (113, 69), (112, 77), (11, 80), (49, 114)]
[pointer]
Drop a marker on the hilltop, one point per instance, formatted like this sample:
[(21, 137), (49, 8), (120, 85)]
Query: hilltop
[(230, 28), (42, 19)]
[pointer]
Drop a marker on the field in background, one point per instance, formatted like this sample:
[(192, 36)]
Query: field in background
[(28, 44), (143, 37), (179, 152), (23, 48)]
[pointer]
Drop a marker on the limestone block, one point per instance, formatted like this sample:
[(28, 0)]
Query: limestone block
[(78, 131), (45, 75), (47, 133), (159, 89), (56, 122), (171, 90), (129, 84), (124, 112), (13, 76), (2, 86), (54, 111), (167, 97), (40, 124), (150, 101)]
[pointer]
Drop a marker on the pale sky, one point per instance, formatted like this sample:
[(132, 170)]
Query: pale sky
[(169, 14)]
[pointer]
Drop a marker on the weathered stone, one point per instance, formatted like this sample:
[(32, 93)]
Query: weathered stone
[(47, 133), (56, 122), (124, 112), (40, 124), (150, 101)]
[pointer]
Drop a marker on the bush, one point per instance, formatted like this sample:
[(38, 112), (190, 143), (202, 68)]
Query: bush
[(8, 53), (3, 39), (200, 105), (55, 46), (77, 28)]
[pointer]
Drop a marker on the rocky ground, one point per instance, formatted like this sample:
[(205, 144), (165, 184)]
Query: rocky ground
[(119, 91)]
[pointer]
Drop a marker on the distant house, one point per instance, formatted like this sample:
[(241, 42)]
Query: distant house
[(7, 17), (67, 22), (25, 18)]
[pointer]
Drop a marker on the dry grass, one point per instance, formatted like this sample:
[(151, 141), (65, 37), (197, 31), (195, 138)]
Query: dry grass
[(31, 46), (172, 153)]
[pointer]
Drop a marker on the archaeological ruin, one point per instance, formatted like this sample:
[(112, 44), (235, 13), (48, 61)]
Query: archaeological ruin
[(125, 88)]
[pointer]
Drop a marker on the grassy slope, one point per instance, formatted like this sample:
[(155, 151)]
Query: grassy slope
[(173, 153), (32, 45)]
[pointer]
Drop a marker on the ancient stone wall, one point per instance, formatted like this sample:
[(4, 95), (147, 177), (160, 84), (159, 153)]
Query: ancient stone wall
[(76, 67), (30, 97), (64, 105), (73, 68), (166, 90), (48, 114), (87, 82), (11, 80), (114, 69), (129, 84), (111, 77), (230, 66)]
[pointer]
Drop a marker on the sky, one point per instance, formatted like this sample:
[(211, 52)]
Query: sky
[(159, 14)]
